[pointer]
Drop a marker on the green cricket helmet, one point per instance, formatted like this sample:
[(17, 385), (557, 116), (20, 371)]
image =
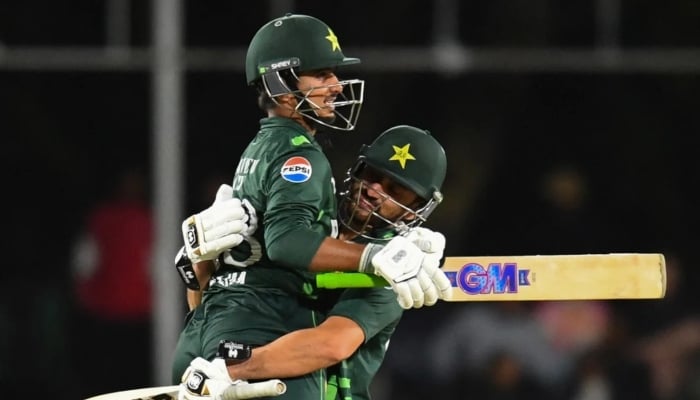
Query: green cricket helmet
[(409, 156), (293, 44)]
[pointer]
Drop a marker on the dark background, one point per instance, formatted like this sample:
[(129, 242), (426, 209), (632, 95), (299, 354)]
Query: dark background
[(629, 128)]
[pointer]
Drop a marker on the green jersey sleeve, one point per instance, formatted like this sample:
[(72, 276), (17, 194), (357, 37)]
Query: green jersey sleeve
[(300, 207), (373, 309), (378, 313), (287, 178)]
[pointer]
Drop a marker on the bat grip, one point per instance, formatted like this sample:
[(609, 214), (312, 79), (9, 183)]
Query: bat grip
[(270, 388), (336, 280)]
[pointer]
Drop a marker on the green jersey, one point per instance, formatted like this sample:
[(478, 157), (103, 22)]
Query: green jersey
[(285, 176), (378, 313), (263, 288)]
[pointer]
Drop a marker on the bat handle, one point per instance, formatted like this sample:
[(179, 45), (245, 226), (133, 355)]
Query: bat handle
[(336, 280), (270, 388)]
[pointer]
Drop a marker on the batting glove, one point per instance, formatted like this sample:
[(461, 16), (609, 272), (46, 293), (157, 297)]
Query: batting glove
[(428, 241), (219, 227), (399, 263), (433, 245), (206, 380)]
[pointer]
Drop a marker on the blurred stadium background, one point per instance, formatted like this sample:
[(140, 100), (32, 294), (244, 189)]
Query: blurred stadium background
[(570, 127)]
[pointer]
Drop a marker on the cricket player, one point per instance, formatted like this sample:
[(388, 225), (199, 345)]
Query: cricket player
[(391, 189), (263, 288)]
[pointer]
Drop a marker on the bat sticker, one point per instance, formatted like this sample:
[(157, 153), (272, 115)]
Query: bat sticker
[(499, 278)]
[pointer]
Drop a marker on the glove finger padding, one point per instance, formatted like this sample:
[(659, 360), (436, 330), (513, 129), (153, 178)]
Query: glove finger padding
[(217, 246), (403, 294), (428, 287), (223, 211), (224, 229), (416, 292), (409, 294), (440, 281), (427, 240), (433, 244), (224, 192), (443, 285)]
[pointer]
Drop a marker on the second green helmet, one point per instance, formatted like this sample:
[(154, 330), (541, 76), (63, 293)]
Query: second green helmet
[(407, 155), (412, 157)]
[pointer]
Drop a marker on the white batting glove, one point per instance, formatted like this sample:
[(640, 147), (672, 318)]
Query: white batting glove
[(205, 380), (433, 280), (219, 227), (433, 245), (427, 240), (399, 263)]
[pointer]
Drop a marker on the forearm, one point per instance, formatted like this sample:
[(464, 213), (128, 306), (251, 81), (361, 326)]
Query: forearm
[(337, 255), (286, 357), (203, 271), (302, 352), (194, 298)]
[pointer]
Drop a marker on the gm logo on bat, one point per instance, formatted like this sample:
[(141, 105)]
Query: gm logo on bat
[(473, 278)]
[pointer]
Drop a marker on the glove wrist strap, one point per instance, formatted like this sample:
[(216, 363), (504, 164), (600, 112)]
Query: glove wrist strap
[(366, 258)]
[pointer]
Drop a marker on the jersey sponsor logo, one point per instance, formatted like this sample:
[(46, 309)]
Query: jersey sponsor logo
[(296, 170)]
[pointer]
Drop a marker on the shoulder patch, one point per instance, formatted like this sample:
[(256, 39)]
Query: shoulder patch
[(296, 170), (299, 140)]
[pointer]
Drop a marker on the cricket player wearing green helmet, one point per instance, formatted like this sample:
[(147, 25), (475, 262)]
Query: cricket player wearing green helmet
[(418, 164), (287, 47), (263, 287), (390, 190)]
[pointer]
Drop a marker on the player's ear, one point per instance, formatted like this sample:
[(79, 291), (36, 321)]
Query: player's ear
[(286, 99)]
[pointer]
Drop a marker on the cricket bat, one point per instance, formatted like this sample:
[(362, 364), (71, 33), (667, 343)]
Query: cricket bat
[(539, 277), (269, 388)]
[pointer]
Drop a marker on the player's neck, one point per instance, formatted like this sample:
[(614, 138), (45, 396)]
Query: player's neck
[(285, 112)]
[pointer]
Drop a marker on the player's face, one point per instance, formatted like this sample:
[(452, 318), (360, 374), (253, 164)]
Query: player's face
[(374, 192), (320, 89)]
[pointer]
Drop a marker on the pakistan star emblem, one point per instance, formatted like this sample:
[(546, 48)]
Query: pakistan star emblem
[(401, 155), (333, 39)]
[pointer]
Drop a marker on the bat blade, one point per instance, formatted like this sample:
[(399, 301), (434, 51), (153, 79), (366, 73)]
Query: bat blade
[(540, 277), (153, 393), (558, 277), (268, 388)]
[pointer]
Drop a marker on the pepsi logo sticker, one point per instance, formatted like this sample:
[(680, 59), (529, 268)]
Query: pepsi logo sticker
[(296, 170)]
